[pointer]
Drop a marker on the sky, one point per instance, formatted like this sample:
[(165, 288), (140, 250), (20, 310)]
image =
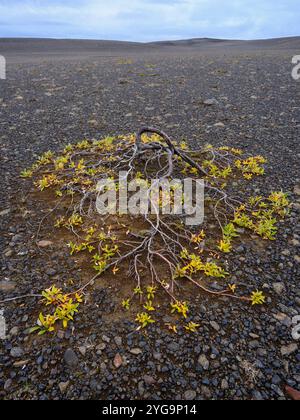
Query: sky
[(149, 20)]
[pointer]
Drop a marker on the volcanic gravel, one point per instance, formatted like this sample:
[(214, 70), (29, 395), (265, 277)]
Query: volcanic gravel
[(239, 97)]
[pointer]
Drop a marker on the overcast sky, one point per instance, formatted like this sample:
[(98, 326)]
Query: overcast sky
[(149, 20)]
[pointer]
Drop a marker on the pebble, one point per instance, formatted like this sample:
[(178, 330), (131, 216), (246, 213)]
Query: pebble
[(63, 386), (297, 189), (215, 325), (190, 394), (118, 341), (70, 357), (279, 288), (16, 352), (82, 350), (14, 331), (21, 363), (224, 384), (157, 356), (203, 361), (136, 351), (44, 244), (7, 286), (276, 380), (101, 346), (4, 212), (210, 102), (7, 384), (118, 360), (289, 349), (149, 380)]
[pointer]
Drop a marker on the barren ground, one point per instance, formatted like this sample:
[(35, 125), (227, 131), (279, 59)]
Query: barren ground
[(60, 92)]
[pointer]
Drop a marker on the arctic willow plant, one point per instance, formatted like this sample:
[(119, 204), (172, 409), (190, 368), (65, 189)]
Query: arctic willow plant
[(62, 309), (159, 253)]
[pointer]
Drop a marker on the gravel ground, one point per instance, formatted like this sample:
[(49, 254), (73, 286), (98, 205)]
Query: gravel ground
[(238, 352)]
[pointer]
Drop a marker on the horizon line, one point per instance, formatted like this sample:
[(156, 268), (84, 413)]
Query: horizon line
[(144, 42)]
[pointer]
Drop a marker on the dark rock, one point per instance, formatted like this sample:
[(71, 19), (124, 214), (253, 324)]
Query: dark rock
[(16, 352), (70, 357)]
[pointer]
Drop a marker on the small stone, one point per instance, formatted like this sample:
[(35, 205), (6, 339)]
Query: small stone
[(224, 385), (203, 361), (40, 360), (101, 346), (93, 122), (240, 249), (7, 384), (8, 253), (17, 238), (210, 102), (206, 392), (136, 351), (141, 388), (118, 361), (254, 344), (70, 357), (44, 243), (257, 396), (215, 325), (105, 339), (261, 352), (157, 356), (297, 190), (14, 331), (7, 286), (219, 124), (16, 352), (190, 394), (276, 380), (118, 341), (279, 288), (4, 212), (283, 318), (280, 316), (82, 350), (21, 363), (25, 318), (287, 350), (63, 386), (297, 258), (173, 347), (149, 380), (286, 252)]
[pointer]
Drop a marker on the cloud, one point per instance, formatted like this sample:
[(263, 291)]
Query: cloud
[(148, 20)]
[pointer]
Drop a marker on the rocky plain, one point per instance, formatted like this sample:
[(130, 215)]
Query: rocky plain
[(226, 93)]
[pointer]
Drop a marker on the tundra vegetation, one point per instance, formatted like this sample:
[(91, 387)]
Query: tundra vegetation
[(159, 252)]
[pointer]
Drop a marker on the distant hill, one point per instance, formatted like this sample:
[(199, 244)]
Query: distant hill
[(21, 50), (289, 42)]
